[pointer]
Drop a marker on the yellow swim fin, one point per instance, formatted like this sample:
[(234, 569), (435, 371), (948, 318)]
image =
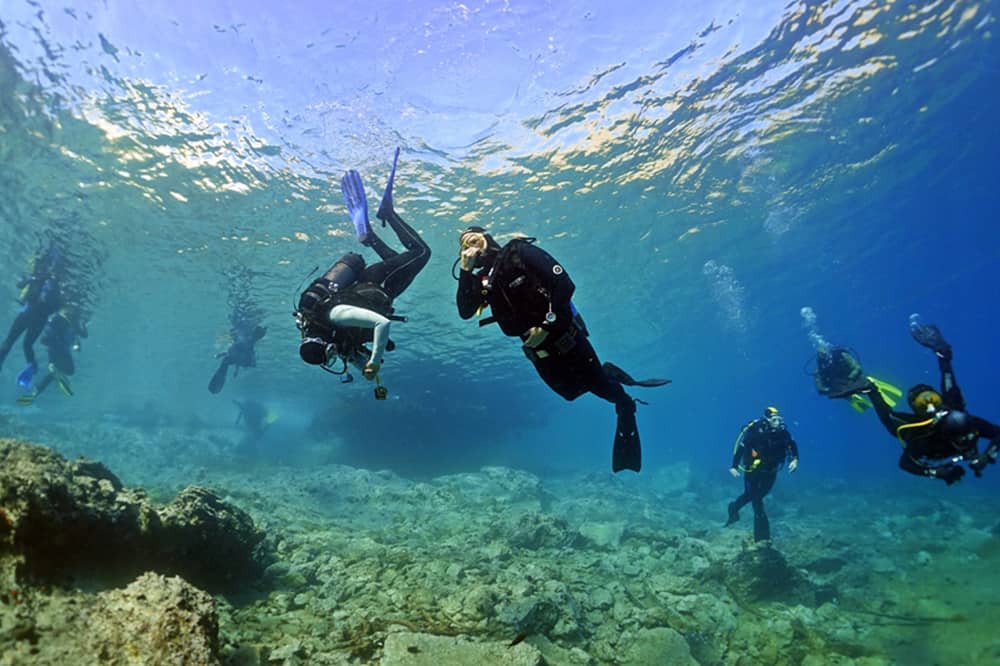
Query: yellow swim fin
[(860, 403), (64, 386), (891, 394)]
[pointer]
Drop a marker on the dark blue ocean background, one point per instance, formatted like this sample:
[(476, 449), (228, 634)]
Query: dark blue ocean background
[(703, 170)]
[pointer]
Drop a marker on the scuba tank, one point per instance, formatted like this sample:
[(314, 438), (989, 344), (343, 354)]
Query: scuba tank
[(321, 294), (345, 271)]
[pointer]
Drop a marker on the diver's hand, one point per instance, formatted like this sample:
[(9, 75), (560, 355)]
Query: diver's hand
[(536, 336), (949, 473), (793, 465), (467, 258), (371, 369), (735, 472), (988, 458)]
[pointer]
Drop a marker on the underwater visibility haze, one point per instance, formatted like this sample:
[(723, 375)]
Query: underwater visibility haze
[(727, 183)]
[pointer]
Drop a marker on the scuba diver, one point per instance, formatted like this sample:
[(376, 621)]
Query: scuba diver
[(40, 297), (528, 293), (839, 371), (839, 374), (939, 434), (255, 418), (61, 338), (761, 448), (836, 369), (350, 306), (246, 334)]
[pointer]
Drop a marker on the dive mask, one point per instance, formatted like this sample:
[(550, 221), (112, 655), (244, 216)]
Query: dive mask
[(317, 351)]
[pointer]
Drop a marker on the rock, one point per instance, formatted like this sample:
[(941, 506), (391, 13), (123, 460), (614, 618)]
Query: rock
[(534, 615), (165, 620), (405, 648), (826, 565), (62, 520), (603, 535), (661, 645), (287, 651), (539, 530), (762, 574), (200, 531)]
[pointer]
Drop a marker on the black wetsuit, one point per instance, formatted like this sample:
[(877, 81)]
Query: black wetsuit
[(949, 435), (241, 353), (41, 299), (375, 289), (525, 288), (60, 337), (760, 452)]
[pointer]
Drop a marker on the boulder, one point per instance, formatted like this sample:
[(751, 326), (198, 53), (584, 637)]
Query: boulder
[(61, 520), (406, 648), (155, 620)]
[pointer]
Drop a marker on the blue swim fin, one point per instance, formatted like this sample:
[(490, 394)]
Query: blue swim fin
[(357, 203), (385, 209), (25, 376)]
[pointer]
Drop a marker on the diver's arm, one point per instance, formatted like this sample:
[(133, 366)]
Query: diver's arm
[(890, 420), (358, 358), (738, 452), (792, 447), (469, 296), (949, 387), (990, 431), (556, 280), (949, 472), (352, 315), (908, 463)]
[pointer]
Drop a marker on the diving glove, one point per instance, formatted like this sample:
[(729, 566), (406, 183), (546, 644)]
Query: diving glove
[(928, 335)]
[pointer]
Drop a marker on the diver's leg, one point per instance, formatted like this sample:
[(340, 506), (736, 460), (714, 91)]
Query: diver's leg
[(381, 248), (882, 409), (745, 498), (31, 333), (763, 482), (44, 383), (16, 329), (407, 235), (401, 269), (761, 525)]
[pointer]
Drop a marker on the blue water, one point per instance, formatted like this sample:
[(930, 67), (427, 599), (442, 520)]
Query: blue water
[(703, 170)]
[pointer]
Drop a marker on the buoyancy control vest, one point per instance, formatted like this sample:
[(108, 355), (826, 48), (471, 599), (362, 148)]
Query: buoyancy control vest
[(340, 286)]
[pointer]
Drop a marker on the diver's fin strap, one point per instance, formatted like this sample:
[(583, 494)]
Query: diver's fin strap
[(486, 321)]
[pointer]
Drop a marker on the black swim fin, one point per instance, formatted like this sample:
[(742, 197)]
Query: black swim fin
[(612, 371), (219, 378), (627, 451)]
